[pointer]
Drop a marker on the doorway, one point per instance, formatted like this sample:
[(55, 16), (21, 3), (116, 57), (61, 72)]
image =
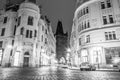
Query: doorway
[(26, 60)]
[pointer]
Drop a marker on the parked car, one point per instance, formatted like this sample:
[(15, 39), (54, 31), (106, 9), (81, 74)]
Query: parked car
[(88, 67)]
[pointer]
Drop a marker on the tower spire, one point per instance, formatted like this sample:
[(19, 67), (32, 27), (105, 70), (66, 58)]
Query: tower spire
[(59, 29)]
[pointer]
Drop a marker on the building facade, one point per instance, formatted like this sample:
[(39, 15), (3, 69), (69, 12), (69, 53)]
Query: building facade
[(96, 33), (23, 41)]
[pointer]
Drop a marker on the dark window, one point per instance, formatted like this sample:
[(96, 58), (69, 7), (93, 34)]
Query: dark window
[(87, 11), (110, 35), (104, 20), (79, 41), (106, 36), (27, 33), (21, 31), (19, 20), (1, 42), (46, 31), (30, 34), (111, 19), (3, 32), (12, 42), (11, 52), (88, 24), (35, 34), (5, 20), (108, 3), (30, 20), (85, 25), (42, 28), (42, 38), (102, 5), (82, 26), (14, 30), (45, 40)]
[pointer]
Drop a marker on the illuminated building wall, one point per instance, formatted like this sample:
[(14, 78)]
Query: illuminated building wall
[(24, 37), (96, 31)]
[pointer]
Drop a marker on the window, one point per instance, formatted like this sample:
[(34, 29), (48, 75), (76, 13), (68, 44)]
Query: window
[(87, 11), (84, 11), (21, 31), (42, 38), (42, 28), (110, 35), (27, 33), (79, 41), (88, 24), (19, 20), (30, 20), (85, 25), (35, 34), (104, 20), (102, 5), (46, 31), (30, 34), (5, 20), (1, 42), (111, 19), (3, 32), (88, 39), (108, 3), (45, 40), (14, 30)]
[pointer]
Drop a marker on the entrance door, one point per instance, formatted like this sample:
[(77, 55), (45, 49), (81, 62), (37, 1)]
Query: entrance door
[(26, 62)]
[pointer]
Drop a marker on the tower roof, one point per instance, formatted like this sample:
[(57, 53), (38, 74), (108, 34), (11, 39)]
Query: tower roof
[(59, 30)]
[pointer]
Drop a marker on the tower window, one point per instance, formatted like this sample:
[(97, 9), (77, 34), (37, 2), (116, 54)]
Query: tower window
[(3, 32), (5, 20), (30, 20), (104, 20), (102, 5)]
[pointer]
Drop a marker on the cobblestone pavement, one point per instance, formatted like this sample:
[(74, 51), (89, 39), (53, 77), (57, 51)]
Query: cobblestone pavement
[(46, 73)]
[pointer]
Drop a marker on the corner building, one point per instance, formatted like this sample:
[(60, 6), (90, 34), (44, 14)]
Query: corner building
[(24, 37), (95, 36)]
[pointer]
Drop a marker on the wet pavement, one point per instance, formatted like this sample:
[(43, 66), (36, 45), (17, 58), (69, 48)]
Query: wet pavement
[(50, 73)]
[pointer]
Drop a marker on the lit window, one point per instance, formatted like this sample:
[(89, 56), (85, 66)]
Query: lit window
[(111, 19), (30, 20), (102, 5), (5, 20), (110, 35), (108, 3), (3, 32), (104, 20)]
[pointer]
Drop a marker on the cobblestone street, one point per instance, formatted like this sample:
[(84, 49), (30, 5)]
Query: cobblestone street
[(55, 74)]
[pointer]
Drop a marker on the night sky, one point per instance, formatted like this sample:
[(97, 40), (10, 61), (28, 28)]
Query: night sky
[(56, 10), (59, 10)]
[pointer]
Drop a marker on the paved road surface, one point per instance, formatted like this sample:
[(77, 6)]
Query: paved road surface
[(46, 73)]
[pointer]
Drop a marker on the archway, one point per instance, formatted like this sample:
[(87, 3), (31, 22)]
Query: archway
[(26, 59)]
